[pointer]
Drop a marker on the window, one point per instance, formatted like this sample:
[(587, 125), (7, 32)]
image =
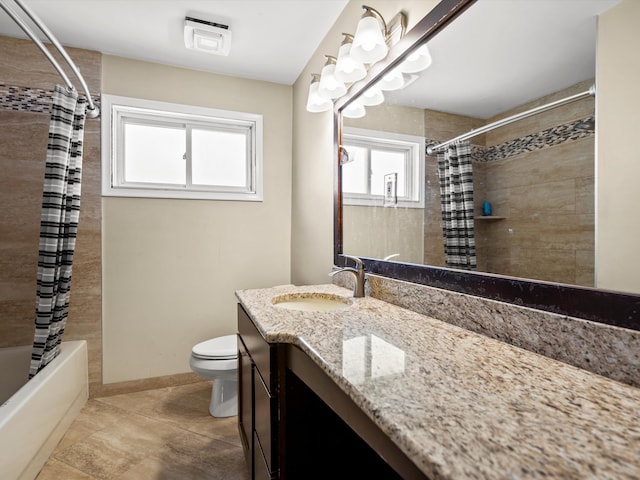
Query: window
[(166, 150), (374, 155)]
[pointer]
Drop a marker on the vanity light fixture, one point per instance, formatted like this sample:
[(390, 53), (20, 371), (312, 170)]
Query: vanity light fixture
[(409, 78), (348, 69), (316, 102), (329, 86), (394, 80), (207, 37), (357, 53), (354, 110), (372, 96), (369, 42), (417, 61)]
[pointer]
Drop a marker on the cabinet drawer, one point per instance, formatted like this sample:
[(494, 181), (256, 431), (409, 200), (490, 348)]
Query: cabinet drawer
[(245, 397), (261, 470), (263, 418), (258, 348)]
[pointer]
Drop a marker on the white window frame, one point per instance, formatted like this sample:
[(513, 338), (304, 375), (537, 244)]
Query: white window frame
[(117, 110), (414, 148)]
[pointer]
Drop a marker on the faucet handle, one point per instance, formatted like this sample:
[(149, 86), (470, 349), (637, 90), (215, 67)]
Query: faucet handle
[(359, 264)]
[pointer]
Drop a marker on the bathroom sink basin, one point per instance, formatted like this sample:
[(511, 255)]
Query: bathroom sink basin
[(311, 302)]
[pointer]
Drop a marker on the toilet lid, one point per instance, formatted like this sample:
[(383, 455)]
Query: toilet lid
[(221, 348)]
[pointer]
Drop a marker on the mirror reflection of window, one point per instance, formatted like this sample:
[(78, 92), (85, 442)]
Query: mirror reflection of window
[(372, 155), (365, 174), (386, 359), (355, 176), (354, 359), (384, 163), (369, 356)]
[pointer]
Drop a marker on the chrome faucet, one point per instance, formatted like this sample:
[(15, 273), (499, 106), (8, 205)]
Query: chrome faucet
[(358, 273)]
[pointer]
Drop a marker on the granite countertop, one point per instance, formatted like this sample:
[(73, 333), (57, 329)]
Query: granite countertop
[(459, 404)]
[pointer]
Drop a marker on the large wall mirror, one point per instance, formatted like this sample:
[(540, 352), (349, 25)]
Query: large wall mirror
[(520, 75)]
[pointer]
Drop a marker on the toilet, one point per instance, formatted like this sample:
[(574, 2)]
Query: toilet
[(217, 359)]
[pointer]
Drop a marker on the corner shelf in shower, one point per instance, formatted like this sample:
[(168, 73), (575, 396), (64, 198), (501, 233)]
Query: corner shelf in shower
[(489, 217)]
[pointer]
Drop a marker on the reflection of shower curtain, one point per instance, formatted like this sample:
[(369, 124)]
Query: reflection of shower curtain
[(58, 224), (456, 198)]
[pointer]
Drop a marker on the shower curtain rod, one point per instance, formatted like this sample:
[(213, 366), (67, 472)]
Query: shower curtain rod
[(92, 110), (513, 118)]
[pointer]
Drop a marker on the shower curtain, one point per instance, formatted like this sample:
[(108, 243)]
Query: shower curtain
[(456, 199), (58, 224)]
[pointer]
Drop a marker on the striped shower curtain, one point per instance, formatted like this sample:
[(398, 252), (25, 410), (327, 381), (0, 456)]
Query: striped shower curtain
[(58, 224), (456, 199)]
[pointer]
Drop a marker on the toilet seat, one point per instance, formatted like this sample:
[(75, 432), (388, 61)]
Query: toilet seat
[(219, 348)]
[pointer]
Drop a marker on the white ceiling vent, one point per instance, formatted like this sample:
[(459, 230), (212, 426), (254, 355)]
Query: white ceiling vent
[(208, 37)]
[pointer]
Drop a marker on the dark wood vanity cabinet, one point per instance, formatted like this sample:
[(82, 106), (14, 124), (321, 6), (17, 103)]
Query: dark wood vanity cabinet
[(257, 399)]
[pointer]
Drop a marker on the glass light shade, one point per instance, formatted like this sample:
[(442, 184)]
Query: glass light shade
[(409, 78), (348, 69), (372, 96), (354, 110), (417, 61), (315, 102), (393, 80), (369, 44), (329, 86)]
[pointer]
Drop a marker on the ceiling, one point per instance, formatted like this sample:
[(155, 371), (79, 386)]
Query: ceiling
[(500, 54), (272, 40), (497, 55)]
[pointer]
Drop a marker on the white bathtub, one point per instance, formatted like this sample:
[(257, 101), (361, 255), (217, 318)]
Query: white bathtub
[(35, 414)]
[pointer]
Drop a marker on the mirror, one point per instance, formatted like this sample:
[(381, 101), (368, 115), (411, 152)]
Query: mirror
[(533, 179)]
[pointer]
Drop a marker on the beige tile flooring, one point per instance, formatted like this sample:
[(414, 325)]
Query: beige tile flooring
[(161, 434)]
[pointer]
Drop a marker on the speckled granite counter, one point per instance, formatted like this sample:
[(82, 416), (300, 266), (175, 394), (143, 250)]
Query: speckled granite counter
[(459, 404)]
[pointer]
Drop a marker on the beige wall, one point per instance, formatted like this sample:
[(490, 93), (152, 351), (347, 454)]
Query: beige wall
[(313, 156), (171, 266), (617, 154)]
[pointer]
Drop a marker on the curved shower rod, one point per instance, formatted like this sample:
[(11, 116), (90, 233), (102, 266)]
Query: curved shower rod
[(92, 110)]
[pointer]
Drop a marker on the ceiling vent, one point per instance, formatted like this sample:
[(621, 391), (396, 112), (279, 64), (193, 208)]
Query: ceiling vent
[(208, 37)]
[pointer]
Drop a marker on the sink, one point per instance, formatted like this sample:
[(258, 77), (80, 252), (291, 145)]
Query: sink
[(311, 302)]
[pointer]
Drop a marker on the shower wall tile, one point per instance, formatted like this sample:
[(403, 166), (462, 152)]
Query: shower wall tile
[(546, 198), (552, 118), (585, 195), (22, 167), (22, 64), (585, 266), (443, 126), (26, 81), (433, 250), (602, 349)]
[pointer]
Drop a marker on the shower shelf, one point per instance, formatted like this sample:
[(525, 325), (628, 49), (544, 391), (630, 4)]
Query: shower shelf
[(489, 217)]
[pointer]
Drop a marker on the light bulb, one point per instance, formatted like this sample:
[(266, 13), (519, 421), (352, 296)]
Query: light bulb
[(315, 102), (417, 60), (354, 110), (372, 96), (347, 68), (329, 86), (369, 44), (392, 80)]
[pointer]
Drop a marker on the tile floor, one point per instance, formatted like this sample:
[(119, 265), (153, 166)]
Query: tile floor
[(163, 434)]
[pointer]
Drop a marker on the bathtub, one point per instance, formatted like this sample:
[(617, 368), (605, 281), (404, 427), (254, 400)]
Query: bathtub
[(35, 414)]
